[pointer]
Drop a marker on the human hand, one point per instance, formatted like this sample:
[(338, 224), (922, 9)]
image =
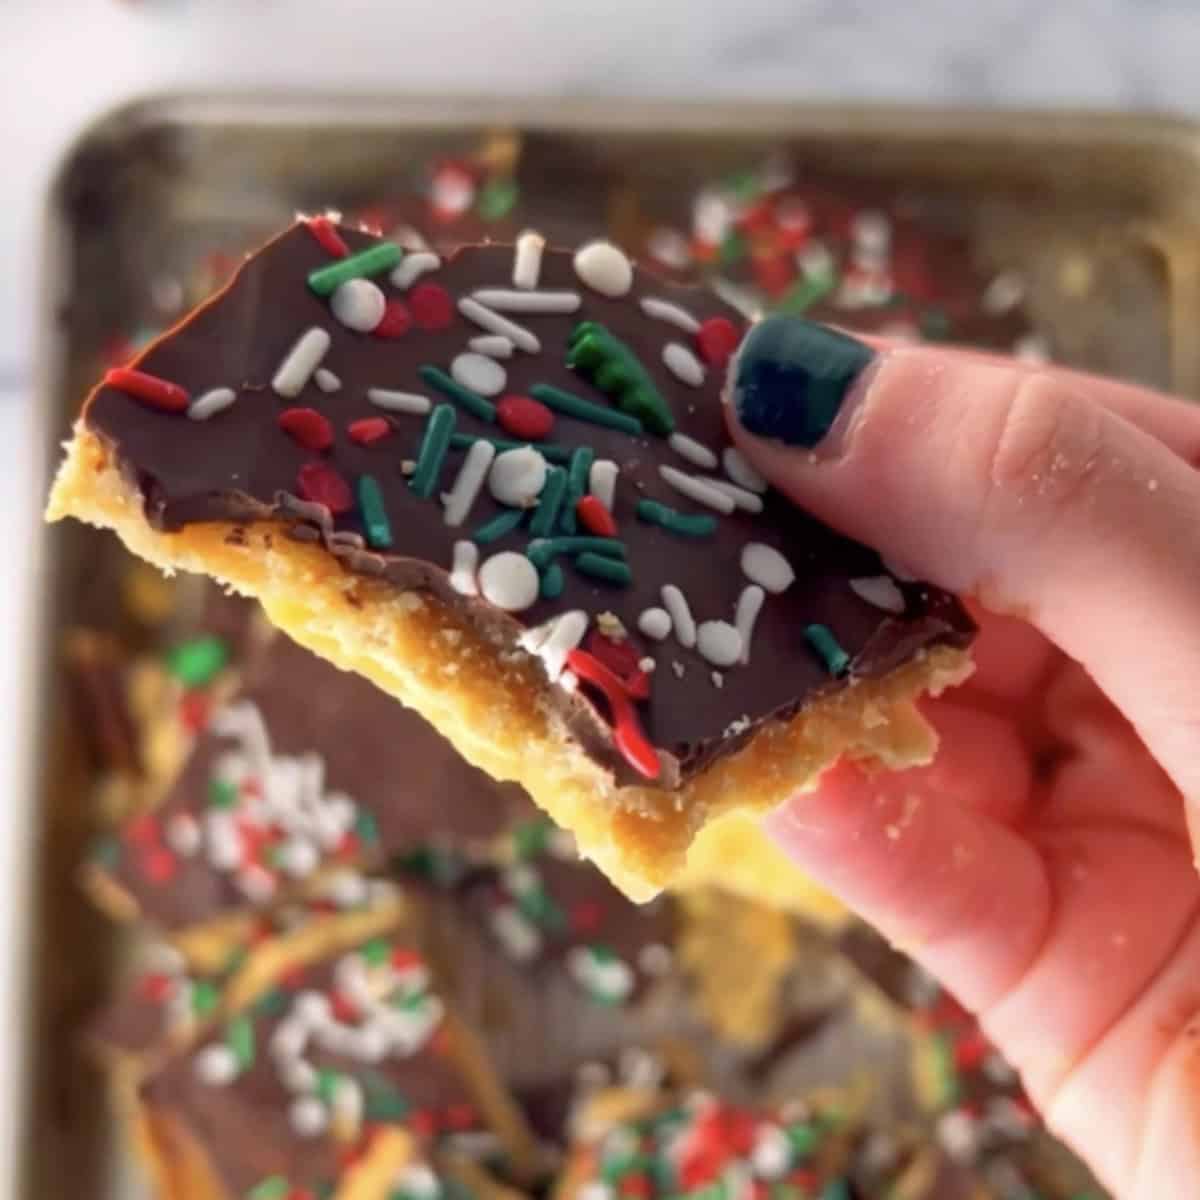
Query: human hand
[(1041, 867)]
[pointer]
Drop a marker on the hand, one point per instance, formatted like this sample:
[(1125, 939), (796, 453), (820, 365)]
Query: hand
[(1041, 867)]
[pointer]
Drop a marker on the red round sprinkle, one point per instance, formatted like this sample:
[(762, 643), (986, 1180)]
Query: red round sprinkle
[(404, 959), (369, 430), (423, 1122), (155, 987), (349, 849), (309, 427), (396, 321), (774, 273), (594, 517), (324, 230), (717, 339), (157, 393), (971, 1051), (586, 916), (524, 418), (627, 730), (143, 831), (344, 1009), (194, 711), (159, 865), (621, 658), (431, 306), (320, 483)]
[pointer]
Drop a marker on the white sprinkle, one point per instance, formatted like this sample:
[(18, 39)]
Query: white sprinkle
[(468, 482), (747, 501), (602, 481), (740, 471), (412, 403), (655, 623), (217, 1065), (520, 939), (664, 310), (299, 858), (695, 452), (462, 572), (410, 240), (675, 602), (308, 1117), (257, 883), (533, 303), (479, 373), (348, 889), (771, 1155), (300, 362), (527, 260), (1032, 348), (311, 1008), (347, 1103), (298, 1075), (765, 566), (1003, 294), (517, 477), (327, 381), (678, 668), (493, 345), (683, 364), (359, 304), (555, 639), (604, 268), (289, 1039), (749, 605), (719, 642), (493, 322), (700, 490), (509, 581), (872, 231), (183, 834), (210, 403), (670, 247), (880, 591), (411, 267)]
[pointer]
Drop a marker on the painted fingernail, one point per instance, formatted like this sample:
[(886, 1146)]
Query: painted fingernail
[(792, 377)]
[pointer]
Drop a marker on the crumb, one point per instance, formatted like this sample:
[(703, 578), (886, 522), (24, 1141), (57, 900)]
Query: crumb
[(677, 667), (647, 664), (718, 679), (611, 626), (408, 466), (737, 727)]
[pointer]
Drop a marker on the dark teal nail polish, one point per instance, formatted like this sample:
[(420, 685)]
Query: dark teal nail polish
[(791, 377)]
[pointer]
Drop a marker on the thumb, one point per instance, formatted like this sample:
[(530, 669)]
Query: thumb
[(1020, 487)]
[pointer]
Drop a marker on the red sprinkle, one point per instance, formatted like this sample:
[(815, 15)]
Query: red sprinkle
[(970, 1051), (143, 831), (157, 393), (524, 418), (432, 308), (396, 322), (320, 483), (460, 1116), (194, 711), (155, 987), (369, 430), (324, 230), (622, 659), (159, 865), (344, 1009), (423, 1122), (717, 339), (309, 427), (594, 517), (627, 730), (586, 916), (404, 959), (774, 273)]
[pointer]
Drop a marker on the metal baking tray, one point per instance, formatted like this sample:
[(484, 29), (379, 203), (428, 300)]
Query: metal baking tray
[(1100, 214)]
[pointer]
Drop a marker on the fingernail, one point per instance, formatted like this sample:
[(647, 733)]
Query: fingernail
[(792, 379)]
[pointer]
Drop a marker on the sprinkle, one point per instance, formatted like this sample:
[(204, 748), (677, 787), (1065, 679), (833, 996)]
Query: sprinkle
[(584, 410), (380, 257), (431, 306), (150, 389), (604, 268), (627, 732), (594, 517), (696, 489), (683, 364), (434, 444), (582, 458), (411, 403), (517, 476), (395, 322), (664, 310), (655, 623), (374, 514), (239, 1036), (499, 526), (675, 602), (602, 481), (551, 453), (509, 581), (717, 339), (694, 525), (358, 304), (524, 417), (719, 643), (300, 362), (552, 641), (600, 566), (542, 551), (308, 1116), (695, 452), (274, 1187), (326, 380), (765, 566), (216, 1065), (320, 483), (479, 374), (749, 605), (183, 834), (527, 260), (494, 323), (493, 345), (821, 639), (1003, 294), (198, 661), (368, 431), (531, 303), (745, 500), (554, 580), (475, 404), (741, 472), (545, 516), (322, 228), (462, 570), (412, 267), (469, 482), (880, 591), (307, 427), (615, 369), (210, 403)]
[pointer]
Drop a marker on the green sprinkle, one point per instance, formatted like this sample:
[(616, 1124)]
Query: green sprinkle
[(432, 454), (801, 296), (821, 639), (235, 960), (377, 951), (497, 198), (374, 515), (550, 452), (836, 1189), (327, 1081), (274, 1187), (530, 838), (552, 583), (106, 852), (327, 1189), (381, 1101), (538, 905), (611, 570), (614, 368), (571, 405), (941, 1048), (204, 997), (543, 551), (271, 1004), (221, 793), (197, 662), (694, 525), (733, 248), (239, 1036), (474, 403), (804, 1139), (501, 524), (380, 257), (549, 502), (366, 827), (577, 484)]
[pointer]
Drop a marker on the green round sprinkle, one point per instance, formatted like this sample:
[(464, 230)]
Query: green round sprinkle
[(733, 249), (571, 405), (274, 1187), (271, 1004), (380, 257), (376, 952), (549, 451), (582, 458), (381, 1101), (553, 582), (239, 1036), (221, 793), (497, 198), (804, 1139), (501, 524), (374, 514), (530, 838), (204, 997), (432, 454), (549, 502), (327, 1081), (366, 827), (693, 525), (611, 570), (474, 403), (821, 639), (197, 662)]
